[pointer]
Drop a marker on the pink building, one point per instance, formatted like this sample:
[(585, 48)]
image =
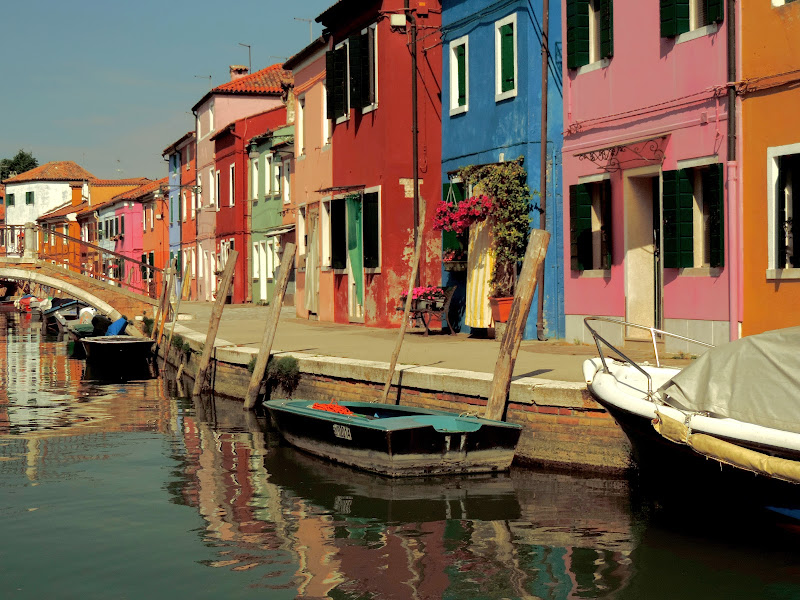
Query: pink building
[(648, 229)]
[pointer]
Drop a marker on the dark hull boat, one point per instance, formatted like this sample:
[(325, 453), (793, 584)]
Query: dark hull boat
[(728, 424), (117, 351), (396, 441)]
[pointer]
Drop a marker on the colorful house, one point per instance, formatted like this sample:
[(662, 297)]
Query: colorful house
[(272, 221), (649, 236), (491, 114), (313, 164), (245, 94), (182, 190), (237, 174), (367, 216), (770, 150)]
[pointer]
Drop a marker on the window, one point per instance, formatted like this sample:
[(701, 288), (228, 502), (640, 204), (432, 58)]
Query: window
[(193, 205), (683, 16), (371, 230), (590, 225), (693, 234), (783, 172), (590, 31), (211, 117), (459, 75), (256, 260), (10, 199), (200, 188), (326, 122), (232, 185), (300, 125), (212, 188), (28, 197), (338, 224), (285, 192), (122, 225), (505, 53), (276, 176), (216, 200), (184, 202), (254, 179), (352, 76), (194, 263)]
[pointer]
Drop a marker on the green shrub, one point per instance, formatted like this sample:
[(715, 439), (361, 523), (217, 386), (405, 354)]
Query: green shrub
[(282, 371), (148, 325)]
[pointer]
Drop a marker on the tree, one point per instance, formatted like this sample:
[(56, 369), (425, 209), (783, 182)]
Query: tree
[(22, 161)]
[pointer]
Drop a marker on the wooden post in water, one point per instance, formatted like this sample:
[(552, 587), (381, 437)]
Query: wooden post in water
[(509, 345), (177, 308), (271, 326), (213, 323), (407, 309), (167, 305), (159, 310)]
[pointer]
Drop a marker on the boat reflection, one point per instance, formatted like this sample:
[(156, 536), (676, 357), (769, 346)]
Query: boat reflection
[(521, 534)]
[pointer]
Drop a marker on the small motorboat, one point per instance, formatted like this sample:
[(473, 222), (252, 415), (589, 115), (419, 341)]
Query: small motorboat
[(119, 351), (396, 441), (733, 412)]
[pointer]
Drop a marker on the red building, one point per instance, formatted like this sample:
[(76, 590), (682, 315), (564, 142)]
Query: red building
[(234, 208), (367, 219)]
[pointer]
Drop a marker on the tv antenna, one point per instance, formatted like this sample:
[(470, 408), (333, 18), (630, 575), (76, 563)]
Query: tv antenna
[(310, 22), (249, 60), (205, 77)]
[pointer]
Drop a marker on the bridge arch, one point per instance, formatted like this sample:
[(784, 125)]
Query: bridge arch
[(108, 299)]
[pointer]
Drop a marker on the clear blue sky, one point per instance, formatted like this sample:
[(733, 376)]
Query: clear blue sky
[(110, 84)]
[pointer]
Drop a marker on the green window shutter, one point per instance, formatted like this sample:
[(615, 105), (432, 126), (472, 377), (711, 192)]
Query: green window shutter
[(368, 67), (507, 57), (577, 33), (330, 84), (606, 239), (371, 231), (10, 200), (686, 218), (715, 12), (674, 17), (606, 28), (669, 199), (338, 235), (580, 202), (339, 82), (678, 206), (28, 197), (713, 196), (461, 72), (356, 74)]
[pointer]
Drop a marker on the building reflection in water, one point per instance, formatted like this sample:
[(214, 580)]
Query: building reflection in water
[(353, 534)]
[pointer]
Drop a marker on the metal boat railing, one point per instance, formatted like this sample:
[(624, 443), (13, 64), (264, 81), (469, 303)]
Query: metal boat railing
[(82, 257), (655, 334)]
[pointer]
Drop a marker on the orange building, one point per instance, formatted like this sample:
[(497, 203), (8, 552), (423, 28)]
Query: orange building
[(770, 143)]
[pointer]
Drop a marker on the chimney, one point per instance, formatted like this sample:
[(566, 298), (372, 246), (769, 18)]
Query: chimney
[(238, 71)]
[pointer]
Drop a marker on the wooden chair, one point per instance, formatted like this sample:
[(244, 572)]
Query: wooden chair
[(426, 315)]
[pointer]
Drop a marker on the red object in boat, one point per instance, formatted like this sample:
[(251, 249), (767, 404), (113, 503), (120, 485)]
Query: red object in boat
[(333, 406)]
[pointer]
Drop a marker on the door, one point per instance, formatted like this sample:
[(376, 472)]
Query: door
[(262, 269), (643, 269), (312, 263), (355, 260)]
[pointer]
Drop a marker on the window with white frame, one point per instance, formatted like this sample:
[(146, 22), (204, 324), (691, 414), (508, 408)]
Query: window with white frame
[(301, 237), (211, 117), (193, 253), (684, 16), (184, 202), (217, 191), (590, 224), (300, 125), (212, 188), (232, 185), (325, 233), (326, 122), (352, 75), (278, 176), (285, 191), (254, 179), (256, 260), (459, 75), (505, 67), (193, 204), (590, 31), (200, 195), (783, 200), (269, 175), (272, 257)]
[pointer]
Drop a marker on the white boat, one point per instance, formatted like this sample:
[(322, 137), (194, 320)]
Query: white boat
[(736, 405)]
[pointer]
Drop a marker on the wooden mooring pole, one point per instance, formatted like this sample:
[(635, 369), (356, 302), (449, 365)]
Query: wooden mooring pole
[(184, 286), (213, 323), (271, 327), (167, 304), (509, 345)]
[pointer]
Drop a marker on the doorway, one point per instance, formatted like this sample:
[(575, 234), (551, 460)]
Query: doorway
[(643, 268)]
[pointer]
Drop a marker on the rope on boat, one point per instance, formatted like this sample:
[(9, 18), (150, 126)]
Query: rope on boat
[(333, 406)]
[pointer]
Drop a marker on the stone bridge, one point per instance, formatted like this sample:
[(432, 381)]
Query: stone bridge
[(110, 300)]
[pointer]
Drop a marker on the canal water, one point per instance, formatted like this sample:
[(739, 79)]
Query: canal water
[(112, 489)]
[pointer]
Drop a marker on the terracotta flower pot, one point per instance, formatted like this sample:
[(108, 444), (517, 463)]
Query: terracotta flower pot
[(501, 308)]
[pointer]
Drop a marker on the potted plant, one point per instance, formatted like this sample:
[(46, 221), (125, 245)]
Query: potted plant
[(424, 296), (505, 199)]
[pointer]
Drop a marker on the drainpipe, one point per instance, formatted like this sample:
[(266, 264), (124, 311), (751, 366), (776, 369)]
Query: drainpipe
[(734, 243), (414, 129), (543, 163)]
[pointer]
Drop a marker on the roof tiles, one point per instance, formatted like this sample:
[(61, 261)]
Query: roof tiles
[(64, 170)]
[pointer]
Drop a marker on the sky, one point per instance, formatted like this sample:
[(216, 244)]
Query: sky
[(110, 84)]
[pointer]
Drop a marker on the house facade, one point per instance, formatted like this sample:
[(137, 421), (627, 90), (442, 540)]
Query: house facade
[(235, 181), (246, 94), (770, 59), (367, 216), (313, 164), (182, 203), (491, 114), (648, 231)]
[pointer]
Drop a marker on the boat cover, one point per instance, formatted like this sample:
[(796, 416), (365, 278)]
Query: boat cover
[(755, 379)]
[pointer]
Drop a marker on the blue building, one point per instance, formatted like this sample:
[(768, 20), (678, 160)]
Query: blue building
[(491, 113), (181, 200)]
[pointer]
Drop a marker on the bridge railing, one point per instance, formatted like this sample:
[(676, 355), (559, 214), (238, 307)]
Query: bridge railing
[(81, 257)]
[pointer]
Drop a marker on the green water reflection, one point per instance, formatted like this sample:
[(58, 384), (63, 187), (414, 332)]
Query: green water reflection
[(131, 490)]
